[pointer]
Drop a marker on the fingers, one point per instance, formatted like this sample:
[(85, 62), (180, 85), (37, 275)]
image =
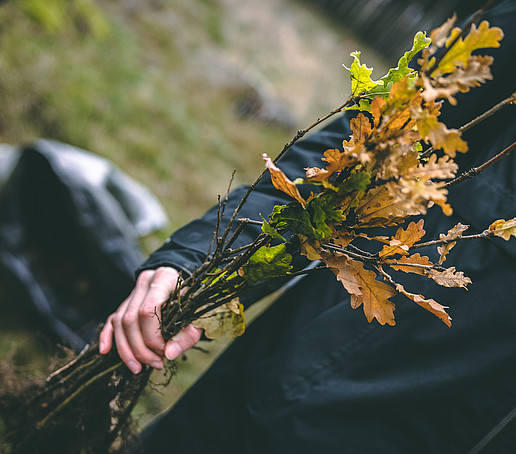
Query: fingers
[(183, 341), (135, 324)]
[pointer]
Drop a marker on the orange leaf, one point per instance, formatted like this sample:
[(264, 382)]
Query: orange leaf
[(361, 127), (403, 239), (415, 259), (281, 181), (430, 305), (363, 287)]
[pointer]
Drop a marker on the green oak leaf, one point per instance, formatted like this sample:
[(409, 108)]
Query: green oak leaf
[(360, 76), (295, 218), (270, 230), (323, 211), (420, 42), (267, 262)]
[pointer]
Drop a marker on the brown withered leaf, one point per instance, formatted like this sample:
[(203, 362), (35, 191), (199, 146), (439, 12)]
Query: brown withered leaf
[(435, 132), (375, 296), (430, 305), (421, 194), (281, 181), (411, 264), (345, 272), (504, 229), (310, 248), (361, 127), (336, 159), (439, 169), (376, 109), (476, 72), (363, 287), (454, 232), (404, 239), (449, 277), (379, 207)]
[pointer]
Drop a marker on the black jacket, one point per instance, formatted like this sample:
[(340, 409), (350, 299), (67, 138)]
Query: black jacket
[(312, 374)]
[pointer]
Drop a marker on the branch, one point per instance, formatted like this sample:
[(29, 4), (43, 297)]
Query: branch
[(479, 236), (488, 113), (477, 170)]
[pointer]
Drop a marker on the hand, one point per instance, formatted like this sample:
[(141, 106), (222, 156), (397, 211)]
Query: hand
[(135, 324)]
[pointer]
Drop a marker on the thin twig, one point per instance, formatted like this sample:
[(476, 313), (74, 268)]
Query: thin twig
[(286, 147), (479, 236), (477, 170)]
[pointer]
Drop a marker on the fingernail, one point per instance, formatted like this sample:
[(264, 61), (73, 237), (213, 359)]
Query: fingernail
[(157, 365), (172, 351), (134, 367), (102, 348)]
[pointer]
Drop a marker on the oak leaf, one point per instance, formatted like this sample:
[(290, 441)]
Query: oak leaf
[(478, 38), (476, 72), (439, 169), (336, 159), (415, 263), (404, 239), (504, 229), (430, 305), (449, 277), (435, 132), (364, 288), (454, 233), (281, 181), (360, 76), (226, 319), (374, 297), (379, 207), (267, 262)]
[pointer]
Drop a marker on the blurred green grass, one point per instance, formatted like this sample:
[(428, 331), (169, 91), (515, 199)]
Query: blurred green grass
[(153, 86)]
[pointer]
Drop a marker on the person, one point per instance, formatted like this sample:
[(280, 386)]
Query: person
[(311, 373)]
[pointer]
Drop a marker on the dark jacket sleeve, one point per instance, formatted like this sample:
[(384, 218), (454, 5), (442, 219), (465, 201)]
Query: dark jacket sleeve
[(187, 247)]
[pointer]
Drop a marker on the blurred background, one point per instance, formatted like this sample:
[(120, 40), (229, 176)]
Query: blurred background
[(177, 94)]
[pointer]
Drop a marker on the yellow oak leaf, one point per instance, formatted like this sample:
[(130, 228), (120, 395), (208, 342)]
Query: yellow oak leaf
[(478, 38), (504, 229), (403, 239), (374, 297), (282, 182), (430, 305), (226, 319)]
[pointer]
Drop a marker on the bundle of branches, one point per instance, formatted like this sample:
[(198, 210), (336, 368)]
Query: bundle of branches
[(381, 177)]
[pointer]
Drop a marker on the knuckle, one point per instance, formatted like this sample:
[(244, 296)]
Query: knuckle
[(129, 320), (147, 310), (145, 276)]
